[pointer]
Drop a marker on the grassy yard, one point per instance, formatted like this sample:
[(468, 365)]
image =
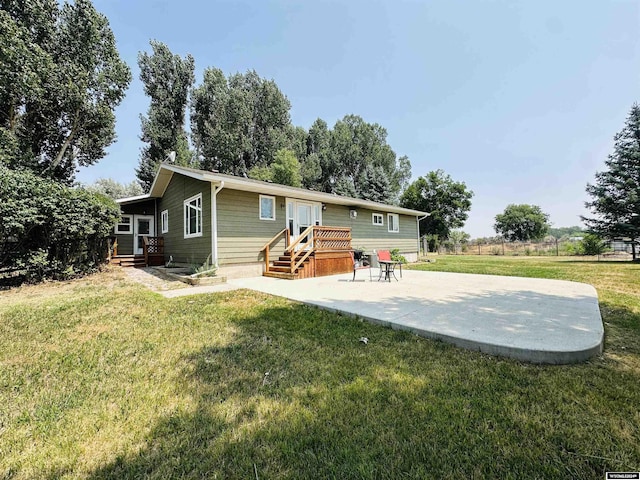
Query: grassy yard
[(101, 378)]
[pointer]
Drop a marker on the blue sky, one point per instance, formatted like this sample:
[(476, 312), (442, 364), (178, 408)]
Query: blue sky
[(520, 100)]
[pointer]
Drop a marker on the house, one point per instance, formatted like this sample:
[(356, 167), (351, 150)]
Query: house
[(248, 227)]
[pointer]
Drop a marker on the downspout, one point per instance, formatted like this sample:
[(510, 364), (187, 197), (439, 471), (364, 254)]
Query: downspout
[(418, 226), (214, 221)]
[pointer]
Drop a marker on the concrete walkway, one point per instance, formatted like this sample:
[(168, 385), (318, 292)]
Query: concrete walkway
[(530, 319)]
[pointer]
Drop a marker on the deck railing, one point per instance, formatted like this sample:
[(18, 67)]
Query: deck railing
[(153, 247), (317, 238)]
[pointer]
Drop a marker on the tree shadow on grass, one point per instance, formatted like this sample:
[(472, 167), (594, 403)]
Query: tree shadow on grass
[(295, 395)]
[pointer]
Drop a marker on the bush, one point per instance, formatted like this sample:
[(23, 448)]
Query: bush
[(48, 230), (592, 245), (396, 257)]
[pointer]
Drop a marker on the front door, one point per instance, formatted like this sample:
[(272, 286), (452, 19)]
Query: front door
[(300, 216), (142, 227)]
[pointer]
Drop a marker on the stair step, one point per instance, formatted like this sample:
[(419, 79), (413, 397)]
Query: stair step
[(285, 276)]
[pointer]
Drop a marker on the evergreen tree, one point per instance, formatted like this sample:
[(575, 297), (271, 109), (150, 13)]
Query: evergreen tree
[(167, 79), (616, 191)]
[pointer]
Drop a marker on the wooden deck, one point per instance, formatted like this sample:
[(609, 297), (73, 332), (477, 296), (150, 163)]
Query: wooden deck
[(319, 251)]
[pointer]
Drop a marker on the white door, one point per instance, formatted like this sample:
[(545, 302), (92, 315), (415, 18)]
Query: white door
[(142, 227), (300, 216)]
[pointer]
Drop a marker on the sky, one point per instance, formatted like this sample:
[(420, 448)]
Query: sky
[(519, 100)]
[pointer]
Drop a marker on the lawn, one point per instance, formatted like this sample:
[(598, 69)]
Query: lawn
[(102, 378)]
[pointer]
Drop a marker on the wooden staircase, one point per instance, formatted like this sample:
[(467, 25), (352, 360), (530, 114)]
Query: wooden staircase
[(129, 260), (318, 251), (281, 268)]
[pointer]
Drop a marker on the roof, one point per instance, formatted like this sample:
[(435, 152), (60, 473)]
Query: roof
[(166, 171), (137, 198)]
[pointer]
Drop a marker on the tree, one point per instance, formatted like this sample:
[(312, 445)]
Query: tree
[(240, 122), (357, 153), (167, 79), (522, 222), (285, 170), (592, 245), (447, 201), (114, 189), (457, 238), (616, 191), (61, 78), (559, 232)]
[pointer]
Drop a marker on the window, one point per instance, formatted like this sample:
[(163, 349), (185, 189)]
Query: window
[(193, 216), (125, 225), (393, 222), (267, 208), (164, 221), (377, 219)]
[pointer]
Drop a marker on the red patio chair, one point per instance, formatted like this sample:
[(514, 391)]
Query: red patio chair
[(359, 265), (388, 269)]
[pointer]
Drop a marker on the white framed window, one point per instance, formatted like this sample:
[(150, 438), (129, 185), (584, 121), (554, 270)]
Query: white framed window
[(393, 222), (125, 225), (267, 207), (193, 216), (377, 219), (164, 221)]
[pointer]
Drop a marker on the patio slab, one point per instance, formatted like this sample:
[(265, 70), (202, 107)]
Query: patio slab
[(529, 319)]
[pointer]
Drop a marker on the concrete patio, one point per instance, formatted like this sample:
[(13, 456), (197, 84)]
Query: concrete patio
[(529, 319)]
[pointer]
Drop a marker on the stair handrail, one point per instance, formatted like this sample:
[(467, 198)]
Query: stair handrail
[(304, 234), (267, 245)]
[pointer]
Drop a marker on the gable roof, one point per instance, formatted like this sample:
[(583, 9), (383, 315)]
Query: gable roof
[(166, 172)]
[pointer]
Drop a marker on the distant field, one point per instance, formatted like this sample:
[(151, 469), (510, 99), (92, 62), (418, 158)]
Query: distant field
[(101, 378)]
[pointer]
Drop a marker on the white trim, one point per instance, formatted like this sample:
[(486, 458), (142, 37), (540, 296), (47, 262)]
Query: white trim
[(164, 224), (373, 219), (187, 204), (163, 177), (395, 223), (133, 199), (136, 233), (130, 224), (273, 209), (214, 221)]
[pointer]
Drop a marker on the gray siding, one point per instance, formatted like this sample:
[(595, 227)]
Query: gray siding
[(185, 250), (241, 233), (373, 237)]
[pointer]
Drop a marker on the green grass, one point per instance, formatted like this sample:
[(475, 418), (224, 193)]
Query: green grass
[(101, 378)]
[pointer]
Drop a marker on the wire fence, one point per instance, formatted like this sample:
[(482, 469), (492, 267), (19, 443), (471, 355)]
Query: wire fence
[(569, 247)]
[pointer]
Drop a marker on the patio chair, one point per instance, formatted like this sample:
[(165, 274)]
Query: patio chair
[(386, 269), (359, 265)]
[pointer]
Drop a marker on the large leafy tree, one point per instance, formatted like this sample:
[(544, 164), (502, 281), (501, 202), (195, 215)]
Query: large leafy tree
[(522, 222), (285, 170), (239, 122), (167, 80), (61, 78), (359, 162), (616, 191), (113, 189), (447, 201)]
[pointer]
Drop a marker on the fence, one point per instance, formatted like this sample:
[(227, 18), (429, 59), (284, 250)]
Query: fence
[(553, 248)]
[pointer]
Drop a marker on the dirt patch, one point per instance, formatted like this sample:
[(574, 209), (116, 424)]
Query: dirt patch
[(148, 277)]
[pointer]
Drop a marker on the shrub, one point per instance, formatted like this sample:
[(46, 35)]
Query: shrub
[(396, 257), (592, 245), (48, 230)]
